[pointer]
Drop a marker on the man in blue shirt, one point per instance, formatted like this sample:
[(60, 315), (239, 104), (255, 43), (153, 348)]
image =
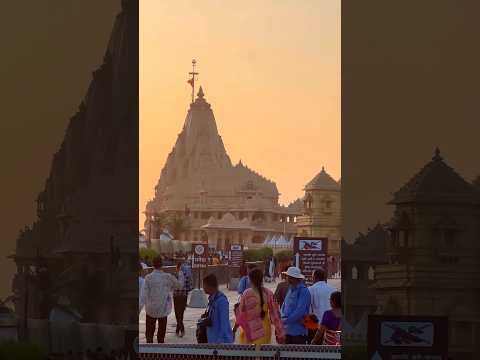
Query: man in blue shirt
[(244, 282), (295, 307), (219, 331)]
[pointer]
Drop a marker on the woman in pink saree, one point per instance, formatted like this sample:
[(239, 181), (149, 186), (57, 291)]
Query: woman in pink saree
[(258, 312)]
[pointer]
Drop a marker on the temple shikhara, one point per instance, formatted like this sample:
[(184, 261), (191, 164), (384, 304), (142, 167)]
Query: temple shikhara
[(79, 261), (228, 203)]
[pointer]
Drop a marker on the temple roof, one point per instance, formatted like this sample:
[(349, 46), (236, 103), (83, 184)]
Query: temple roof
[(435, 182), (228, 221), (322, 181), (199, 166), (370, 247)]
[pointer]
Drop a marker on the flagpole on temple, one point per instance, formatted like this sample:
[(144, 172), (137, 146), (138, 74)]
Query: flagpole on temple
[(192, 80)]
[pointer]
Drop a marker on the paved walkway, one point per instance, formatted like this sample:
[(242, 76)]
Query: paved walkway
[(192, 315)]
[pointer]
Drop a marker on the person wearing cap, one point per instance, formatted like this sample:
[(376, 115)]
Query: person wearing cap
[(295, 307)]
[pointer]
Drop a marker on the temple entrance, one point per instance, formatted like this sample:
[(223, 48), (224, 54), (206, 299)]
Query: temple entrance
[(258, 239)]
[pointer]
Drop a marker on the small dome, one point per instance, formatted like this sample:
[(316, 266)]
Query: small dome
[(323, 181), (228, 217), (211, 220)]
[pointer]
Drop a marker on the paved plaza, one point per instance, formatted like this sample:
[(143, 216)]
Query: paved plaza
[(193, 314)]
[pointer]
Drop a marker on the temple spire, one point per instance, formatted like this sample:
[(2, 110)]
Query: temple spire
[(437, 156), (192, 80), (200, 93)]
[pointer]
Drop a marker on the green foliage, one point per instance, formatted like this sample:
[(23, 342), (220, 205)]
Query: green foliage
[(284, 255), (257, 254), (178, 225), (20, 351), (148, 254)]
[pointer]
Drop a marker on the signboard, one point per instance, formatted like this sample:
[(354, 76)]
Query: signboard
[(407, 337), (200, 255), (236, 255), (310, 254)]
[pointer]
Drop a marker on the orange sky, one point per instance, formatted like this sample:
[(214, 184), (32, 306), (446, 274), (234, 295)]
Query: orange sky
[(269, 68)]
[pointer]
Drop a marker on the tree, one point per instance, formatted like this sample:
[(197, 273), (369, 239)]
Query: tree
[(155, 225), (178, 225)]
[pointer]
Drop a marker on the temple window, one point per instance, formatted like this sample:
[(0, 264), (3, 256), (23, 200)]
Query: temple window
[(371, 273), (354, 273), (258, 239), (394, 239), (308, 202)]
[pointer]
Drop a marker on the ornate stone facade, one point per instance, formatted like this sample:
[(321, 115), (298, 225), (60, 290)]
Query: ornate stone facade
[(434, 253), (82, 249), (321, 215), (221, 202)]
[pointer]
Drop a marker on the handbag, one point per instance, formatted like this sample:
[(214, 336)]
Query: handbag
[(201, 331), (202, 324)]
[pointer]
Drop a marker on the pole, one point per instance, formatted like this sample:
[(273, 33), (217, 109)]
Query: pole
[(193, 73), (199, 277)]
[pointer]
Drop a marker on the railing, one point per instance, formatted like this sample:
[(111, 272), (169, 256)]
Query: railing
[(237, 352)]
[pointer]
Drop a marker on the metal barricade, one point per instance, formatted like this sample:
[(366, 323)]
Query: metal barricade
[(237, 352)]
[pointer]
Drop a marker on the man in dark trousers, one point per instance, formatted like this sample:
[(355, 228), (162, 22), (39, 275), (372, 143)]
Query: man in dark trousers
[(157, 297)]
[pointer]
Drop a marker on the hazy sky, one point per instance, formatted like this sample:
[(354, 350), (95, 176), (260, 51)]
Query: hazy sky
[(269, 68)]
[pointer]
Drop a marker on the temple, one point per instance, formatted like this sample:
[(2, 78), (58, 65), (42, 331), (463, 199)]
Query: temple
[(424, 261), (321, 214), (76, 255), (223, 203)]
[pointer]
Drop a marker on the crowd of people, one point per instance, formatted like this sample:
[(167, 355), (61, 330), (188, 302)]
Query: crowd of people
[(294, 313)]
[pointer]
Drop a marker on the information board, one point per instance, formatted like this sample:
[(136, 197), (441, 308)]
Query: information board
[(236, 255), (407, 337), (310, 254), (200, 255)]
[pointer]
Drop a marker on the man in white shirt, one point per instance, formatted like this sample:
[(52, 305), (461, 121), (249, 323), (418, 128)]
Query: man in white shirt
[(320, 293), (157, 298)]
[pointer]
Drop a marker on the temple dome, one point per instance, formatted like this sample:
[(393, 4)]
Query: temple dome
[(435, 182), (228, 218), (323, 181)]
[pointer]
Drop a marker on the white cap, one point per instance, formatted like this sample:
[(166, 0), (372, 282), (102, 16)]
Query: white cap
[(294, 272)]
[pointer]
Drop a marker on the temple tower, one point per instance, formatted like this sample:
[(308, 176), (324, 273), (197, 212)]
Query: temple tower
[(433, 253)]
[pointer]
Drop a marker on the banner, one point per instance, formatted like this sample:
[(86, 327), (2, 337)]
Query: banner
[(310, 254)]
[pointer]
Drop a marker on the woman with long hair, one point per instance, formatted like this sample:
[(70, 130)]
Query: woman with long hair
[(258, 312)]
